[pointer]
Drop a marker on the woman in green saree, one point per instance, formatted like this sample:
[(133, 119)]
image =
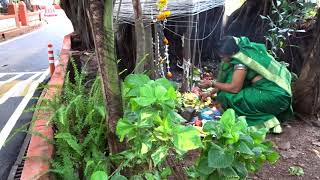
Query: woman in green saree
[(252, 83)]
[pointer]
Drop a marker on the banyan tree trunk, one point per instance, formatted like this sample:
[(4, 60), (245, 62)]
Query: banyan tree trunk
[(246, 21), (306, 89)]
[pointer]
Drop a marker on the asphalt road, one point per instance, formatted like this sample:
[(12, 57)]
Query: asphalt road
[(23, 66)]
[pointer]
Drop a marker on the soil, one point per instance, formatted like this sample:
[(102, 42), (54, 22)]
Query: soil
[(298, 145)]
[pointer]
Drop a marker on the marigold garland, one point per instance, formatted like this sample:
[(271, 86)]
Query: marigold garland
[(163, 15), (162, 4)]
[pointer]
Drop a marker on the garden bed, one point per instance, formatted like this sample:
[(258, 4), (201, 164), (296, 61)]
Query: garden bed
[(165, 97)]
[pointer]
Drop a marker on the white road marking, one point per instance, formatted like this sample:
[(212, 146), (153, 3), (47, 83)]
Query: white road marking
[(22, 36), (11, 79), (2, 74), (17, 89), (19, 110), (9, 73)]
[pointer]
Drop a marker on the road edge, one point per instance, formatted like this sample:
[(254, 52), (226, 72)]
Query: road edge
[(40, 151)]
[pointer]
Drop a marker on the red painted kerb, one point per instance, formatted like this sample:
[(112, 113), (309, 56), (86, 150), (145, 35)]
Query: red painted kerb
[(40, 151)]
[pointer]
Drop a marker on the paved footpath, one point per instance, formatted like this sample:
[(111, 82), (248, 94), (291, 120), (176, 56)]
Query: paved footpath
[(23, 66)]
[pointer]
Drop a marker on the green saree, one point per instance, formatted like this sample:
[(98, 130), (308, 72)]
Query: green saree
[(262, 102)]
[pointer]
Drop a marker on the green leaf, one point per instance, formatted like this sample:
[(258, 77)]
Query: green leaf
[(219, 158), (228, 119), (118, 177), (165, 172), (186, 138), (101, 110), (214, 128), (243, 148), (241, 124), (134, 92), (144, 101), (171, 93), (229, 173), (175, 117), (258, 135), (146, 119), (89, 165), (136, 80), (240, 168), (71, 140), (248, 139), (159, 155), (146, 145), (99, 175), (123, 128), (61, 115), (165, 83), (296, 171), (147, 91), (203, 167), (273, 157), (232, 136), (149, 176), (160, 92)]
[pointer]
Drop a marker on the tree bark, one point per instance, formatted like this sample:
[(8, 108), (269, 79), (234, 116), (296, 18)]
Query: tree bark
[(140, 36), (102, 27), (76, 11), (306, 89)]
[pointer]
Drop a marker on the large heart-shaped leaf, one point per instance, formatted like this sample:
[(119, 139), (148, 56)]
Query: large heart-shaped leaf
[(186, 138), (240, 168), (160, 92), (228, 119), (144, 101), (203, 167), (136, 80), (219, 158), (229, 173), (118, 177), (147, 91), (165, 83), (123, 128), (243, 148), (99, 175)]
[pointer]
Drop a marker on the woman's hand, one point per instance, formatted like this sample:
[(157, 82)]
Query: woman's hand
[(205, 84), (205, 95)]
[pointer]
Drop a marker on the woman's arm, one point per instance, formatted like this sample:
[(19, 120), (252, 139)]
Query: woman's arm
[(234, 87)]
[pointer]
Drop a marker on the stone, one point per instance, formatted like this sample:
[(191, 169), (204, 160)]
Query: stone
[(284, 145), (290, 154)]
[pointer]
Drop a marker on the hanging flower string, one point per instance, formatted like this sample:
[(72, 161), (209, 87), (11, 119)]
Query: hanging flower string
[(162, 17)]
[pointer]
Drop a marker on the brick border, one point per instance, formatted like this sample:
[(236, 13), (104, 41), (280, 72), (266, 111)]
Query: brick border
[(40, 151)]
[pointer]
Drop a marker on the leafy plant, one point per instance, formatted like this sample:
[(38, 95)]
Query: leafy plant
[(284, 20), (232, 149), (296, 171), (79, 118), (151, 127)]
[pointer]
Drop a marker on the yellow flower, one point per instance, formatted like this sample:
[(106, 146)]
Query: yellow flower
[(163, 15), (161, 4)]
